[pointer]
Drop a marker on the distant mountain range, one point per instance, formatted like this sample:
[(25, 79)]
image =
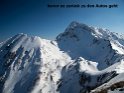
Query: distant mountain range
[(83, 59)]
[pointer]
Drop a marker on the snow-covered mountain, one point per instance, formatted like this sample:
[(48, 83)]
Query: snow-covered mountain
[(83, 59)]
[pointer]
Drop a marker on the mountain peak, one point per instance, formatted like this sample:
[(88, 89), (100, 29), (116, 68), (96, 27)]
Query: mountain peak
[(89, 42), (75, 24), (77, 30), (80, 60)]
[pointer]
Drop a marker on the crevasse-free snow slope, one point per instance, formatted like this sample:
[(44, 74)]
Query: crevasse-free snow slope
[(83, 59)]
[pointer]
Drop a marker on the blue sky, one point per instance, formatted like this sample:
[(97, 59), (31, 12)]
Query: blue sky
[(33, 17)]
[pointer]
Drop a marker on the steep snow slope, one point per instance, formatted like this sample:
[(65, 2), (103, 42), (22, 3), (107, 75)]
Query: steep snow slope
[(97, 46), (82, 59), (19, 58), (115, 85), (93, 44), (29, 61)]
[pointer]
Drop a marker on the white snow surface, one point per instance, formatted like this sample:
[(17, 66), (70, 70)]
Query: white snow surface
[(72, 63)]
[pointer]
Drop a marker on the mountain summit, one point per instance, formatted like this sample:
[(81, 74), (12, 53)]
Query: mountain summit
[(94, 44), (83, 59)]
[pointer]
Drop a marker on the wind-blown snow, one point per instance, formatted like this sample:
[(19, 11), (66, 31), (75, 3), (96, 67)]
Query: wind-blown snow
[(81, 59)]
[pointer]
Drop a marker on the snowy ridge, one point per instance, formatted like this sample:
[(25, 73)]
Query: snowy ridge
[(92, 44), (83, 59)]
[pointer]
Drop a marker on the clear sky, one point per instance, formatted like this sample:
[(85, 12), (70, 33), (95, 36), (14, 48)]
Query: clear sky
[(33, 17)]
